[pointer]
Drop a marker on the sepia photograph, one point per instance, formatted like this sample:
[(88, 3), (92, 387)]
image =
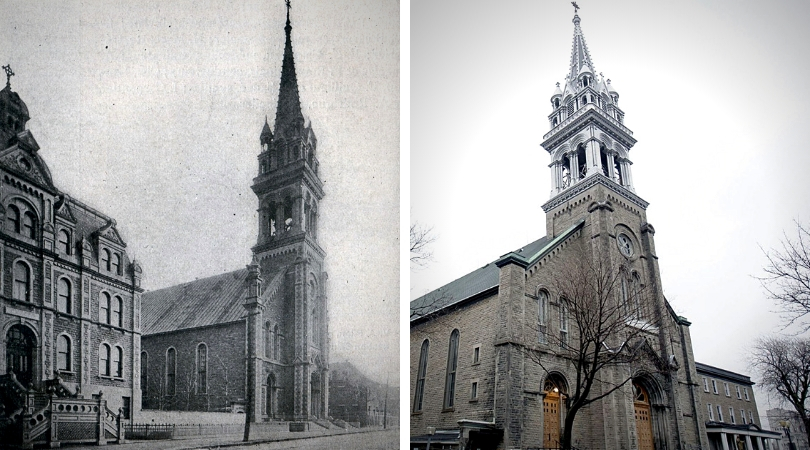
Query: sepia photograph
[(609, 225), (200, 224)]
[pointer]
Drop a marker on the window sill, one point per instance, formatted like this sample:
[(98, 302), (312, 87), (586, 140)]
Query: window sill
[(474, 400), (108, 377), (477, 363), (65, 372), (450, 409), (416, 413)]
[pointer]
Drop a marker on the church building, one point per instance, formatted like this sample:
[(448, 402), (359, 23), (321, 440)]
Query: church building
[(69, 303), (494, 354), (258, 334)]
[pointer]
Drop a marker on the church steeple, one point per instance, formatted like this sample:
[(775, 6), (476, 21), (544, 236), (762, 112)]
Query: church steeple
[(588, 139), (289, 118)]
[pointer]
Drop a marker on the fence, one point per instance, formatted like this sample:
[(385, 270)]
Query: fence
[(141, 431)]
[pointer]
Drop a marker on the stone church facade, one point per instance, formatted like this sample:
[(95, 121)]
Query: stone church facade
[(70, 302), (487, 369), (262, 330)]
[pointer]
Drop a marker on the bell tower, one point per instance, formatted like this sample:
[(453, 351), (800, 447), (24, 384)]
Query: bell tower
[(588, 141), (291, 310)]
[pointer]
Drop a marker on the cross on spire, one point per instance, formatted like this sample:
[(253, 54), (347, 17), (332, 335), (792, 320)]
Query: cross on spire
[(9, 74), (576, 7)]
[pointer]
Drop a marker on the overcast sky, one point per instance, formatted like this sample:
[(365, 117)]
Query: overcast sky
[(715, 93), (150, 111)]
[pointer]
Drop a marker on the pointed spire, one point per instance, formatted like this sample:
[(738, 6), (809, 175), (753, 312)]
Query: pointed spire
[(580, 57), (266, 133), (288, 111)]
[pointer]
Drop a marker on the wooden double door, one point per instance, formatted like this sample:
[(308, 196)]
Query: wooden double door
[(641, 405)]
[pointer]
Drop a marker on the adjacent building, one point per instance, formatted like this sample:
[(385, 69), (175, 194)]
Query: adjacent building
[(70, 300), (730, 409), (790, 426), (260, 334)]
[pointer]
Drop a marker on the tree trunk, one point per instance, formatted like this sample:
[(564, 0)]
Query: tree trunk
[(568, 429)]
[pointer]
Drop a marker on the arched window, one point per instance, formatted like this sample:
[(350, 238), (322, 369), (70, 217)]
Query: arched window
[(116, 263), (288, 214), (63, 356), (64, 241), (603, 158), (452, 365), (104, 360), (105, 260), (171, 368), (63, 297), (582, 161), (118, 362), (115, 315), (420, 376), (268, 340), (104, 307), (144, 373), (272, 226), (563, 323), (13, 214), (22, 281), (314, 319), (542, 316), (29, 225), (276, 346), (202, 369)]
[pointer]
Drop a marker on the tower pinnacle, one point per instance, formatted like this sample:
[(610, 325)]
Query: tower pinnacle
[(9, 74)]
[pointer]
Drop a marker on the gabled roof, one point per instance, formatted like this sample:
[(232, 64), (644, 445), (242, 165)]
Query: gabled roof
[(487, 277), (209, 301)]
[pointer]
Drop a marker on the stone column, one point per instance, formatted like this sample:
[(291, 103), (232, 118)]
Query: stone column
[(724, 441), (611, 164), (254, 325), (592, 157), (748, 445), (574, 167)]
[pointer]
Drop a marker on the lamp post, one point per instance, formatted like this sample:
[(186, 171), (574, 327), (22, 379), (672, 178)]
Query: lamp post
[(786, 428)]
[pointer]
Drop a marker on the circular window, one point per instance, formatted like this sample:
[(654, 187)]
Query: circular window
[(625, 245), (25, 164)]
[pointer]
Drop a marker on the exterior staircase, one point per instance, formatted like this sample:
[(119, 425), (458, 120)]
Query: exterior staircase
[(53, 416)]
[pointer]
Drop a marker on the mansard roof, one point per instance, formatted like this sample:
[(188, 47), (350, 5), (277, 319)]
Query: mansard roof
[(208, 301)]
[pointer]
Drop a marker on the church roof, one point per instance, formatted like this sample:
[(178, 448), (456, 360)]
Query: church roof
[(208, 301), (475, 282)]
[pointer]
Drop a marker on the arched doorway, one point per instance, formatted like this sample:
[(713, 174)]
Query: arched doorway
[(315, 391), (554, 390), (20, 347), (271, 396), (641, 406)]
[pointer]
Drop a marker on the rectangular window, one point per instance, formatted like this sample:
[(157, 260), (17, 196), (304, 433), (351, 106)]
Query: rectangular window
[(474, 391), (739, 395), (750, 416), (705, 384), (731, 414), (476, 354), (711, 412), (714, 386), (742, 416), (725, 388), (719, 413), (745, 390)]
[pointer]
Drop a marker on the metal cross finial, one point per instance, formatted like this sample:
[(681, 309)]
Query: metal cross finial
[(9, 74), (576, 7), (288, 4)]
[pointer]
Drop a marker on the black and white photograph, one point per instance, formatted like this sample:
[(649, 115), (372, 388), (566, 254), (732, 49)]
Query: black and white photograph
[(610, 217), (200, 224)]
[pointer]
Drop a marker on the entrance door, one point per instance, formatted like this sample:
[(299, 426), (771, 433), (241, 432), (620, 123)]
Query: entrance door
[(641, 405), (551, 415), (315, 390), (20, 353)]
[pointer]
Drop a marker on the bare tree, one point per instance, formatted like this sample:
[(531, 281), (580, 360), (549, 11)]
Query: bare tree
[(604, 323), (783, 364), (787, 277), (421, 238)]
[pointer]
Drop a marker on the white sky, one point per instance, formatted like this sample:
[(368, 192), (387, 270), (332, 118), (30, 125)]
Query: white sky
[(151, 112), (714, 92)]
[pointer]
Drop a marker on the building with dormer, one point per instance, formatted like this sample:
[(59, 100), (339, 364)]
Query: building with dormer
[(70, 313), (256, 338)]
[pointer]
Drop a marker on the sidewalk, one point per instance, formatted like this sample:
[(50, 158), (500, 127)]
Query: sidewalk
[(229, 440)]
